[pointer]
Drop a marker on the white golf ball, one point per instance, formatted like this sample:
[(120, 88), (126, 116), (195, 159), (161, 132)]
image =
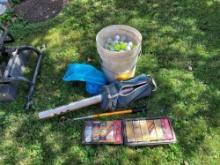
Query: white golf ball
[(109, 40), (128, 47), (115, 42), (130, 43), (123, 38), (117, 37)]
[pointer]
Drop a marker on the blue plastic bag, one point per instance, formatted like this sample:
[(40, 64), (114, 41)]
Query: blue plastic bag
[(94, 78)]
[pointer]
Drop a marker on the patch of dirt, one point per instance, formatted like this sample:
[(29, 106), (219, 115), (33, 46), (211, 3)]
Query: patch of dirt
[(39, 10)]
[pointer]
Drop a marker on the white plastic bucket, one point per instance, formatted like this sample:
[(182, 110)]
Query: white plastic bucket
[(119, 65)]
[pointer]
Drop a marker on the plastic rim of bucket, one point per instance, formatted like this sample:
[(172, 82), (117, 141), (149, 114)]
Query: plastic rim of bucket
[(127, 29)]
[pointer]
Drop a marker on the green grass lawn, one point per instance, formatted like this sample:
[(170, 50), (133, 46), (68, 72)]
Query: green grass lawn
[(181, 49)]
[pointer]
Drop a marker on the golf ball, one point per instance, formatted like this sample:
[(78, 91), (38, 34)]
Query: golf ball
[(130, 43), (117, 37), (118, 43), (109, 40), (123, 38), (115, 42), (128, 47)]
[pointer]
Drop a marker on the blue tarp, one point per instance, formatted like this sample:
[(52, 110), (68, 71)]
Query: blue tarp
[(94, 78)]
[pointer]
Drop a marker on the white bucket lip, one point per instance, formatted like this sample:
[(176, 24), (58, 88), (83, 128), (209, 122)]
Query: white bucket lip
[(121, 26)]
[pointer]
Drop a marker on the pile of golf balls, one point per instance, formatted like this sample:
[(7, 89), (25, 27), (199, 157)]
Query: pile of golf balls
[(118, 44)]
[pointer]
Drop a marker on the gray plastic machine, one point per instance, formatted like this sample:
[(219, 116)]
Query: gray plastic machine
[(12, 65)]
